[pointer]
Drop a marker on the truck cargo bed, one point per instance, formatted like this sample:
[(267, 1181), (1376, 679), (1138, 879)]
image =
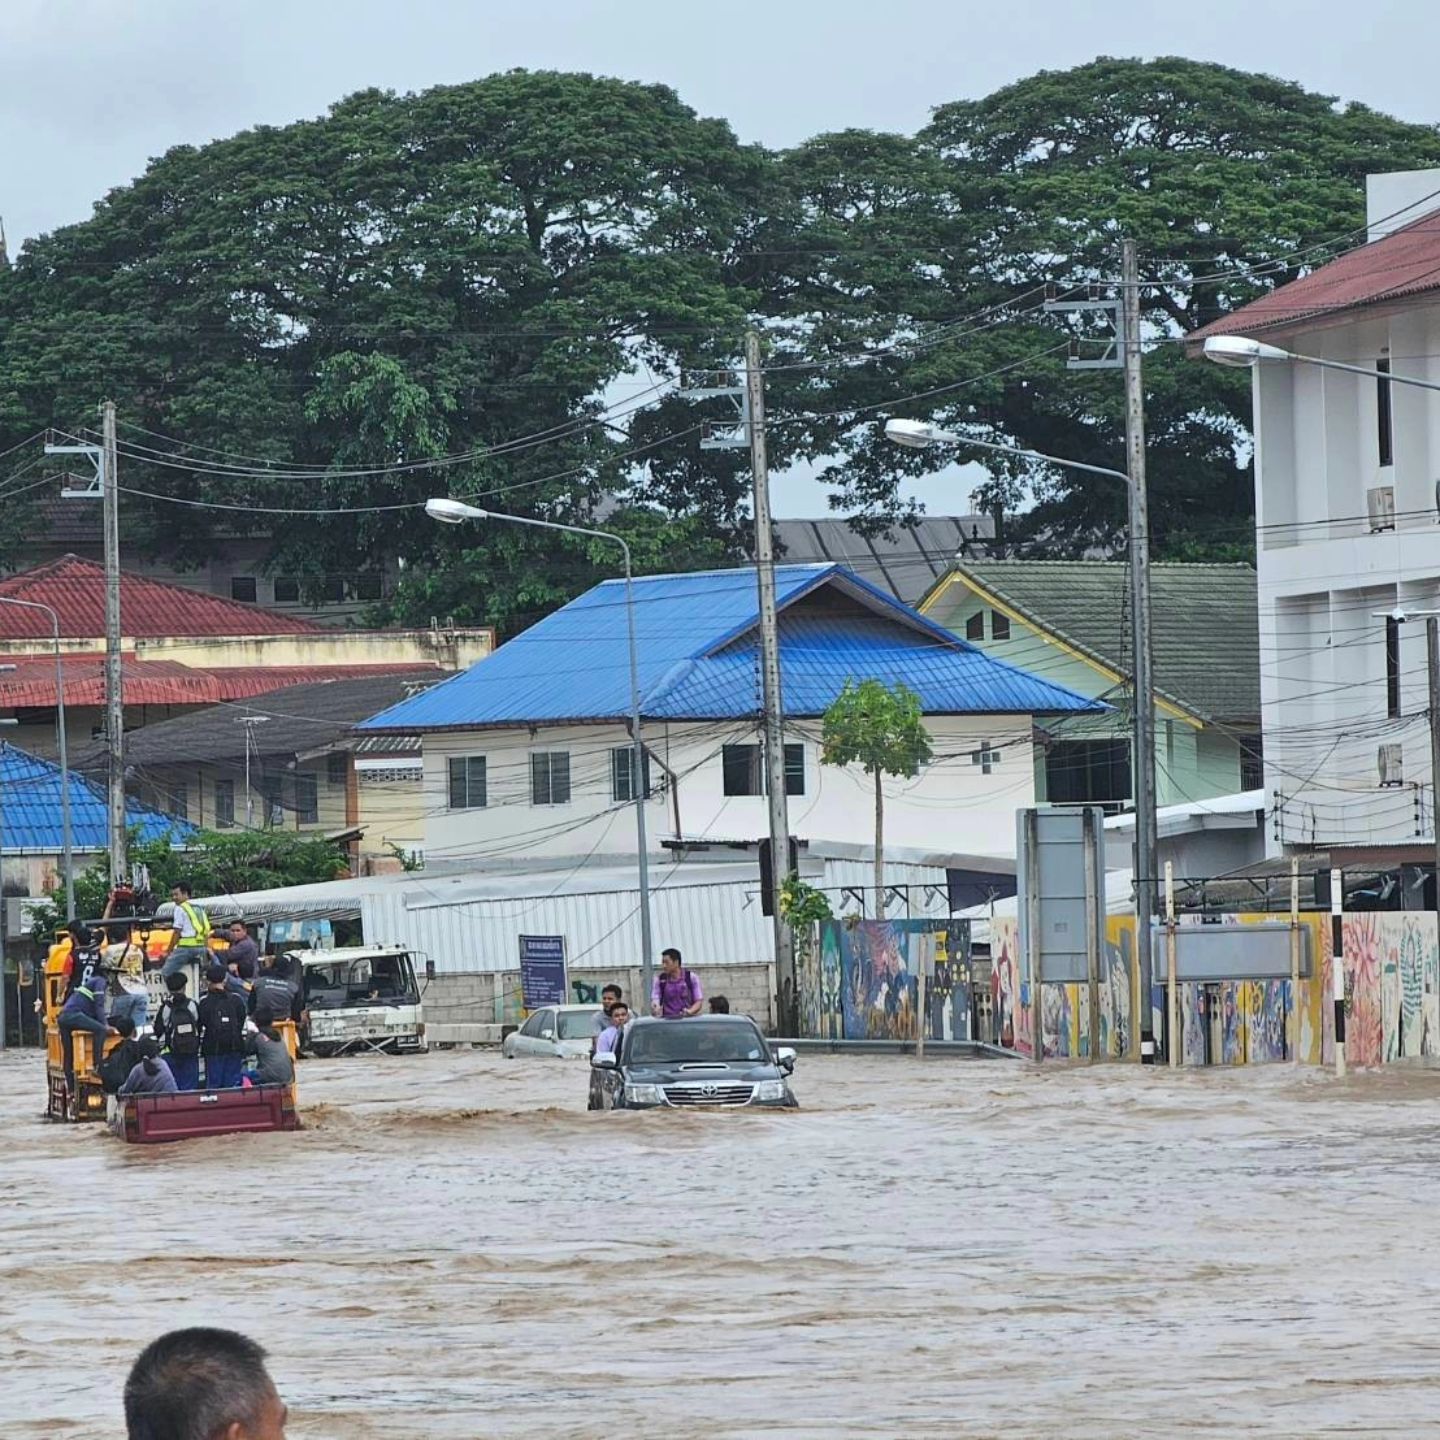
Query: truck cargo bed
[(153, 1119)]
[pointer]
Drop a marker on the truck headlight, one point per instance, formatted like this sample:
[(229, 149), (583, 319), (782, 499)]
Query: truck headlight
[(645, 1094), (770, 1090)]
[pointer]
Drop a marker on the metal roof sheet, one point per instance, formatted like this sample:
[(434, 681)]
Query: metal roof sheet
[(574, 665), (30, 809), (75, 589), (1399, 266)]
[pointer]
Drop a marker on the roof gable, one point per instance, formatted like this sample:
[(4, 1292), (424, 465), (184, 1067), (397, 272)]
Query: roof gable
[(149, 609), (1402, 265), (1204, 623), (696, 637)]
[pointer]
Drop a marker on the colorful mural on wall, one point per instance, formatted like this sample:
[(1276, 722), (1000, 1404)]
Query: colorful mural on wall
[(859, 979), (1392, 987)]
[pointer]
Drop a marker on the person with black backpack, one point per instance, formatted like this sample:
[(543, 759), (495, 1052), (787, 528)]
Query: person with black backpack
[(222, 1032), (676, 993), (178, 1028)]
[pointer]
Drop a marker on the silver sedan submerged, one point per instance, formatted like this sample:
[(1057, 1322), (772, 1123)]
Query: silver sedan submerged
[(564, 1032)]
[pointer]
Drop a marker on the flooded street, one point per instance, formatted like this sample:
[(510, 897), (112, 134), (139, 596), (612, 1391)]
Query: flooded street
[(454, 1248)]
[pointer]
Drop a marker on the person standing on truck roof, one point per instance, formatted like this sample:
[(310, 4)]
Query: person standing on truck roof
[(151, 1075), (202, 1383), (84, 1010), (222, 1032), (273, 1065), (189, 930), (676, 993), (177, 1026)]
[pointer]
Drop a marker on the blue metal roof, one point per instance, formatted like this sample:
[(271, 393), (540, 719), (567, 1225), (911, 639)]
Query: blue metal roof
[(30, 809), (696, 637)]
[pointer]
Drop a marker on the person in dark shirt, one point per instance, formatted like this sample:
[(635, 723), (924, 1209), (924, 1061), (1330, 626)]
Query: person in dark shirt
[(241, 957), (273, 1065), (151, 1075), (84, 1010), (276, 990), (222, 1032), (123, 1058)]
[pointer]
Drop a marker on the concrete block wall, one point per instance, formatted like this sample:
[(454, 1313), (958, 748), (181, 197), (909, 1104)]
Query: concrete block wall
[(491, 998)]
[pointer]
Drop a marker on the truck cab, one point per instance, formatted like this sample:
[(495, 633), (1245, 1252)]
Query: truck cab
[(363, 997)]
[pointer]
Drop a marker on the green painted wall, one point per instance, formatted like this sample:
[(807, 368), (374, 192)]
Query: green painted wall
[(1190, 764)]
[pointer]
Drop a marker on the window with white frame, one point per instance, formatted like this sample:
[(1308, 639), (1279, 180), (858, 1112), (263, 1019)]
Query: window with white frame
[(467, 782), (744, 769), (550, 777)]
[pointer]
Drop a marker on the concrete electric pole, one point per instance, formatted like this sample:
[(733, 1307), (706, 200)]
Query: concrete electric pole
[(1145, 855), (787, 1018), (114, 693)]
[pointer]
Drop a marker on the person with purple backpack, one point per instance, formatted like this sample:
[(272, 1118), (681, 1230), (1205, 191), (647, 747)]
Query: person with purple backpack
[(676, 993)]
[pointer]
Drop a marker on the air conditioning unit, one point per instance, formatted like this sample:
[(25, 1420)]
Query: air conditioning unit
[(1380, 507), (1390, 761)]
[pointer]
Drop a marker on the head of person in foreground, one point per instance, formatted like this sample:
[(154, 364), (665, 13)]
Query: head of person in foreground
[(202, 1384)]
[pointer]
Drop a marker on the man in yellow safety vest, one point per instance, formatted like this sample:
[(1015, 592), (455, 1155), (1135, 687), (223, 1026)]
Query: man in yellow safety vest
[(190, 931)]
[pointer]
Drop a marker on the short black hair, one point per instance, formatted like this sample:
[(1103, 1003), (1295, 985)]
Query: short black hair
[(122, 1024), (612, 989), (191, 1384), (264, 1017), (183, 886), (719, 1005), (673, 954), (618, 1004)]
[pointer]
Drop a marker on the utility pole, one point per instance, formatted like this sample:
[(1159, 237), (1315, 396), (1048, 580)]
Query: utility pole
[(114, 693), (1145, 856), (1432, 648), (787, 1016)]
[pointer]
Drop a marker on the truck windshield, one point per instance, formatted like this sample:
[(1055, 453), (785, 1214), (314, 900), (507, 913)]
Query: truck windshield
[(367, 979), (677, 1042)]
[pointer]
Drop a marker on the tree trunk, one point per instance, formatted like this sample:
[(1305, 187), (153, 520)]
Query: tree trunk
[(879, 850)]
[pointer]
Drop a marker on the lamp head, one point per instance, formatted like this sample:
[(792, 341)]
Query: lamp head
[(452, 512), (1240, 352), (913, 434)]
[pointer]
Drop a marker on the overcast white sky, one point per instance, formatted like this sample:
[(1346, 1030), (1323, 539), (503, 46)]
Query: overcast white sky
[(92, 89)]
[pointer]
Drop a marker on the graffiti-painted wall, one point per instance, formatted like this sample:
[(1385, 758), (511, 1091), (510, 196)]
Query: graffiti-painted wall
[(859, 979), (1392, 989)]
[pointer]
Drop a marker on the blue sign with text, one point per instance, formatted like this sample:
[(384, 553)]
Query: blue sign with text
[(542, 971)]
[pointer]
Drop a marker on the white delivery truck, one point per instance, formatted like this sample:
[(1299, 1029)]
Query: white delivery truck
[(364, 997)]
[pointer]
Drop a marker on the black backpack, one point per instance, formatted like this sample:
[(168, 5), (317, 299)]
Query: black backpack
[(182, 1028)]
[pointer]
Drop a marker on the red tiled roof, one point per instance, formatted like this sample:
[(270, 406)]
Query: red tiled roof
[(1403, 264), (149, 609), (167, 682)]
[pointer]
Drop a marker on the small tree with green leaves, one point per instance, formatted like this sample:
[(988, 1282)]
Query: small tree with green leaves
[(883, 731)]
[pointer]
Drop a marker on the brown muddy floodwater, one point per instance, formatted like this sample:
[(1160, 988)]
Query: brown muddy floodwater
[(454, 1248)]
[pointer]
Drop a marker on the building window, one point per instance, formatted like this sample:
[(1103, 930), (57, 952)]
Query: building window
[(1252, 763), (1392, 666), (1088, 772), (467, 782), (287, 590), (307, 798), (337, 767), (1385, 434), (550, 777), (224, 804), (975, 626), (272, 801), (744, 769), (999, 626), (622, 773), (242, 587), (179, 799)]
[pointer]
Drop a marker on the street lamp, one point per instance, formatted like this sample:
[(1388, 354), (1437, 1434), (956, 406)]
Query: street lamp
[(920, 435), (1241, 353), (455, 512), (67, 835)]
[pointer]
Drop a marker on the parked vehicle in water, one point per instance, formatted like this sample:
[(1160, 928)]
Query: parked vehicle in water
[(363, 997), (712, 1061), (563, 1031)]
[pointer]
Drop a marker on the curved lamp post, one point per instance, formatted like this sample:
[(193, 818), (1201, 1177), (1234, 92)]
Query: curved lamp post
[(456, 512)]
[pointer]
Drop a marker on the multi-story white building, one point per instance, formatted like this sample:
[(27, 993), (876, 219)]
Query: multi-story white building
[(1347, 477)]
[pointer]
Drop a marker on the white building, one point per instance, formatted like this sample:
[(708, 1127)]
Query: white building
[(528, 754), (1347, 475)]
